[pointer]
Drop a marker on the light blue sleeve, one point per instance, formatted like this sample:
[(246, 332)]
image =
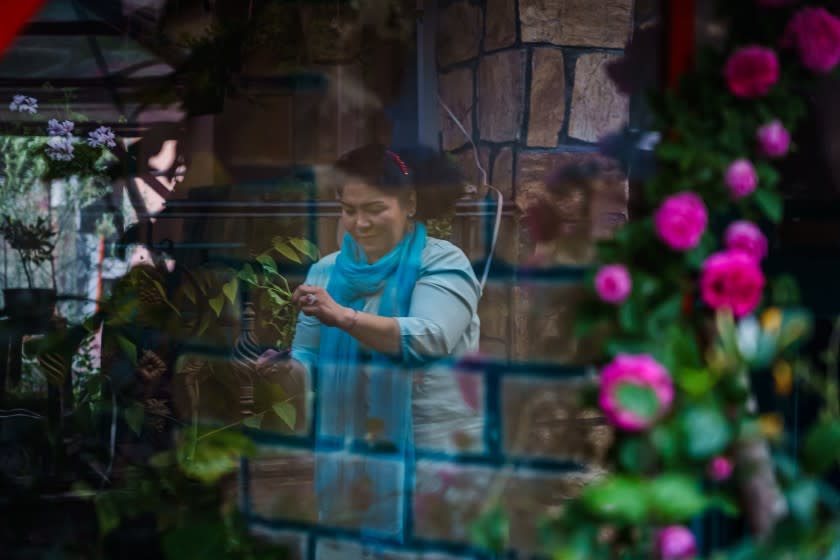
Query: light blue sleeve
[(307, 341), (443, 304)]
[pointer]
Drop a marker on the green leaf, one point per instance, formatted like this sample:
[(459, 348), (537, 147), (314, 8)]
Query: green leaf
[(822, 446), (705, 431), (128, 348), (210, 455), (694, 381), (247, 274), (267, 263), (216, 304), (134, 415), (231, 290), (278, 299), (770, 203), (618, 498), (287, 413), (491, 530), (189, 292), (106, 513), (674, 497), (253, 421), (305, 246), (627, 316), (285, 249), (639, 400)]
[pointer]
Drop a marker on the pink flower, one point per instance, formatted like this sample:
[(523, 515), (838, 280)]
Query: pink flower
[(720, 468), (731, 280), (815, 33), (741, 178), (633, 373), (613, 283), (681, 220), (745, 236), (751, 71), (675, 542), (773, 139)]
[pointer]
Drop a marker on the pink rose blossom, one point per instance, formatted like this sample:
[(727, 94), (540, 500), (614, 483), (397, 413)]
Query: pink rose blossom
[(745, 236), (720, 468), (773, 139), (675, 542), (815, 33), (751, 71), (613, 283), (732, 280), (641, 371), (681, 220), (741, 178)]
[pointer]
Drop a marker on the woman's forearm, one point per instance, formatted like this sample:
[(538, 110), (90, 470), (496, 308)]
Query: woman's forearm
[(381, 334)]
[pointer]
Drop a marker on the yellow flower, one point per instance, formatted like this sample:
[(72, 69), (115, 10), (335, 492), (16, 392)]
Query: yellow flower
[(771, 319), (782, 378), (771, 425)]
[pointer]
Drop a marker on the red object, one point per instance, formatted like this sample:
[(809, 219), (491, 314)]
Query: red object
[(16, 13), (679, 39)]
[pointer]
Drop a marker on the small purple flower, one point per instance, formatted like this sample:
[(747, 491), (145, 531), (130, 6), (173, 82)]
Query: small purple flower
[(101, 137), (60, 148), (24, 104), (746, 237), (741, 178), (773, 139), (720, 468), (613, 283), (56, 128), (675, 542)]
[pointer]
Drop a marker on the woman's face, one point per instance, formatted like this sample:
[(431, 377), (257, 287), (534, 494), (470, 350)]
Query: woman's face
[(377, 221)]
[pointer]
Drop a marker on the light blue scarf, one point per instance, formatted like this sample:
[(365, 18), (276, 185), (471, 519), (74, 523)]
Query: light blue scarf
[(344, 411), (351, 281)]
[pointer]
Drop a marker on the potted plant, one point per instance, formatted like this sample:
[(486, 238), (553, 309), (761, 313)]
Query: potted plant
[(34, 244), (48, 173)]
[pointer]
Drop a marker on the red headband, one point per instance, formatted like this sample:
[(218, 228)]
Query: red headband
[(400, 163)]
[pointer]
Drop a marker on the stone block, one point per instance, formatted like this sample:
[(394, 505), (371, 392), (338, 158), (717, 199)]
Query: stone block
[(449, 498), (501, 91), (330, 549), (456, 90), (465, 160), (448, 410), (545, 418), (366, 493), (459, 33), (245, 140), (282, 485), (329, 35), (500, 27), (598, 108), (548, 97), (502, 176), (543, 322), (580, 23)]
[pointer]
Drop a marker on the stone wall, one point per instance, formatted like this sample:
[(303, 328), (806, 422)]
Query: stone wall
[(527, 79)]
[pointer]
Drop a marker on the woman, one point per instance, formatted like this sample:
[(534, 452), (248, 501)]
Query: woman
[(392, 300)]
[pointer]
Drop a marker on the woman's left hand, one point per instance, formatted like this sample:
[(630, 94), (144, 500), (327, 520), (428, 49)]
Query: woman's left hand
[(315, 301)]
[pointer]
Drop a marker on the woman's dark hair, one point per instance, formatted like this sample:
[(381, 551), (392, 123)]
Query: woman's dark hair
[(436, 180)]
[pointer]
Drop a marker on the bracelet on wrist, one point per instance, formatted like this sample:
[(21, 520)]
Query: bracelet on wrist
[(353, 320)]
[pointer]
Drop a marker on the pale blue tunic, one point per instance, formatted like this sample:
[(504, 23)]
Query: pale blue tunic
[(442, 322), (443, 319)]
